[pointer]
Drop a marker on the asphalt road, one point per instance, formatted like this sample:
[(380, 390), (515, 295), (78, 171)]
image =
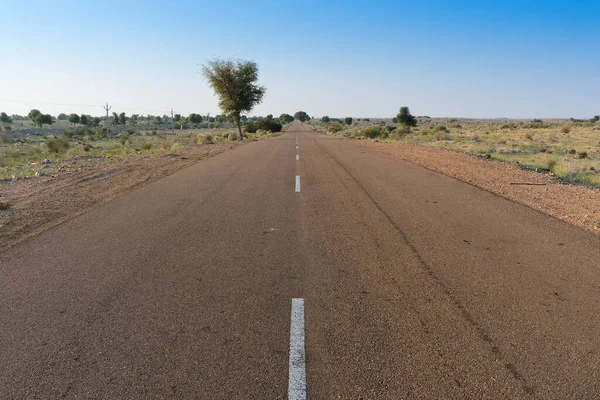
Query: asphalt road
[(415, 285)]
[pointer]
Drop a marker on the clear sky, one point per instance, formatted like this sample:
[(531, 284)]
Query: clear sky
[(516, 59)]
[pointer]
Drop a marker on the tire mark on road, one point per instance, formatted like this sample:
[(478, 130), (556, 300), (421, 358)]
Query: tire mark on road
[(481, 332)]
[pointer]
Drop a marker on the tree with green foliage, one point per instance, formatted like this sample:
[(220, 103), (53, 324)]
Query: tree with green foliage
[(33, 116), (74, 119), (158, 120), (62, 117), (122, 119), (270, 116), (235, 83), (406, 118), (286, 118), (96, 121), (596, 118), (302, 116), (46, 119), (83, 119), (4, 118), (194, 118), (115, 118), (348, 120), (177, 117), (134, 119), (395, 120), (325, 119)]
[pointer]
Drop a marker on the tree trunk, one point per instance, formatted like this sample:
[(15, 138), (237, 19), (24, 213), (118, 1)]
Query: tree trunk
[(239, 126)]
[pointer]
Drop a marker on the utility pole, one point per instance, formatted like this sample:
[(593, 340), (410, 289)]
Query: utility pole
[(172, 122), (107, 131)]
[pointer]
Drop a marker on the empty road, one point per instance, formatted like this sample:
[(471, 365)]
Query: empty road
[(303, 266)]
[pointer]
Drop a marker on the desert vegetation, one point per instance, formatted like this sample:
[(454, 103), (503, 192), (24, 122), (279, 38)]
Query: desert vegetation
[(568, 149)]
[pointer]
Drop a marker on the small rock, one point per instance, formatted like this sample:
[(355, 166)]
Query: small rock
[(375, 140), (47, 161)]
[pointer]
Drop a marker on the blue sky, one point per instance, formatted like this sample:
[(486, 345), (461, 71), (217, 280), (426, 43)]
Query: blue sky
[(516, 59)]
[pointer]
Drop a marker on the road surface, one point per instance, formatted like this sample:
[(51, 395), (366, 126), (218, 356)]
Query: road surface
[(407, 284)]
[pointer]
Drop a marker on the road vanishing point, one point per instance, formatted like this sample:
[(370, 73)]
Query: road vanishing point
[(303, 267)]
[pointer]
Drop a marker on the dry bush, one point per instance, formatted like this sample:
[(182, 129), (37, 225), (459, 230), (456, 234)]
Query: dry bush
[(57, 145), (441, 135), (206, 139), (566, 128)]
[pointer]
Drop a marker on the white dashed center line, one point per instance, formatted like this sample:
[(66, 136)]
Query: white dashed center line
[(297, 372), (297, 183)]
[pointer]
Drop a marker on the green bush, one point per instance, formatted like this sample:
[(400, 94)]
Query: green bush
[(250, 127), (268, 125), (334, 127), (124, 138), (371, 132), (57, 145), (232, 136), (147, 146)]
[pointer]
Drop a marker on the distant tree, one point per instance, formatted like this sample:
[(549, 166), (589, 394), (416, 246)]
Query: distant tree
[(115, 119), (395, 120), (5, 118), (244, 118), (220, 118), (270, 116), (194, 118), (406, 118), (325, 119), (62, 117), (122, 119), (134, 119), (596, 118), (33, 116), (286, 118), (96, 121), (83, 119), (235, 83), (46, 119), (177, 117), (158, 120), (348, 120), (74, 119), (302, 116)]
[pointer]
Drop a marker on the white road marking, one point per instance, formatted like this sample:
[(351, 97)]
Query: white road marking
[(297, 380), (297, 157), (296, 147), (297, 183)]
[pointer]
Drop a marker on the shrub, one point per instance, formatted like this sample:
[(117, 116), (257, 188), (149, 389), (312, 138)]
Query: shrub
[(268, 125), (348, 120), (325, 119), (124, 138), (7, 128), (371, 132), (68, 134), (529, 136), (440, 128), (57, 145), (565, 128), (147, 146), (441, 135), (250, 127), (3, 137), (101, 133), (232, 136), (86, 147), (334, 127), (205, 139)]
